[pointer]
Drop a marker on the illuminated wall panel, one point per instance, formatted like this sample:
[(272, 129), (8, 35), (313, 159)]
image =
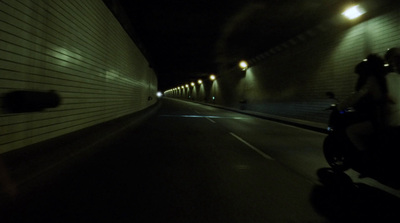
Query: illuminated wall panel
[(291, 83), (77, 49)]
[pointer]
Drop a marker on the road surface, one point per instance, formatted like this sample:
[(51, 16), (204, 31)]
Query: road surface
[(196, 163)]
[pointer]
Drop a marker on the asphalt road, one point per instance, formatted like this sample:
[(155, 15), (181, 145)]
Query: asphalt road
[(196, 163)]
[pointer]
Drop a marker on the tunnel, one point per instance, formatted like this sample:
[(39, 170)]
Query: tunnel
[(91, 131)]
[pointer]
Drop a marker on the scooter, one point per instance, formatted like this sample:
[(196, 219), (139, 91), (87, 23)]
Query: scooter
[(338, 150), (381, 161)]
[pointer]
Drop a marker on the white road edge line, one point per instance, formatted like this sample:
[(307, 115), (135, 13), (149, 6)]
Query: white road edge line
[(209, 119), (252, 147)]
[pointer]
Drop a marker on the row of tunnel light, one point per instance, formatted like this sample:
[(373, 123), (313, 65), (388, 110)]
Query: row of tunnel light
[(351, 13), (242, 64), (212, 77)]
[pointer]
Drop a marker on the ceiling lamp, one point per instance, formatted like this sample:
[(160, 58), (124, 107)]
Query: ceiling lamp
[(212, 77), (243, 65), (353, 12)]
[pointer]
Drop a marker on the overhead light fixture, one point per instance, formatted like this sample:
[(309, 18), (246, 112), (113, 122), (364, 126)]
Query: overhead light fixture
[(199, 81), (353, 12), (243, 65), (192, 83), (212, 77)]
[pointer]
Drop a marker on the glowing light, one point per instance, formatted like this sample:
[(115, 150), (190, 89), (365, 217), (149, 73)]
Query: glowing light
[(187, 85), (353, 12), (243, 64), (192, 83), (159, 94), (199, 81), (212, 77)]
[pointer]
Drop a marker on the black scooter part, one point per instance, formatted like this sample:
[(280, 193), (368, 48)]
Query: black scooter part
[(335, 154)]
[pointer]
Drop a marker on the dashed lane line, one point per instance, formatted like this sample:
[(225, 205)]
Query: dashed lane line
[(266, 156), (209, 119)]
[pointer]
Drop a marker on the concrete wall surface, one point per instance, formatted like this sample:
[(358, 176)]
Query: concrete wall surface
[(290, 80), (73, 66)]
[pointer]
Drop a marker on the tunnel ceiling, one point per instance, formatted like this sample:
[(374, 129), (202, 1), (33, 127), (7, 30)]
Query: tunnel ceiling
[(186, 39)]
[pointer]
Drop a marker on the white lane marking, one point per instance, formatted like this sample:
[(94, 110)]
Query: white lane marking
[(252, 147), (209, 119), (202, 116)]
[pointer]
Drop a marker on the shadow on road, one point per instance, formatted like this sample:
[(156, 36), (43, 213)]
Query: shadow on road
[(341, 200)]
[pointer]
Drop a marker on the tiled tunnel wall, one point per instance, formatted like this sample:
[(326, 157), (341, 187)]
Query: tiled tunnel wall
[(77, 51), (290, 81), (293, 83)]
